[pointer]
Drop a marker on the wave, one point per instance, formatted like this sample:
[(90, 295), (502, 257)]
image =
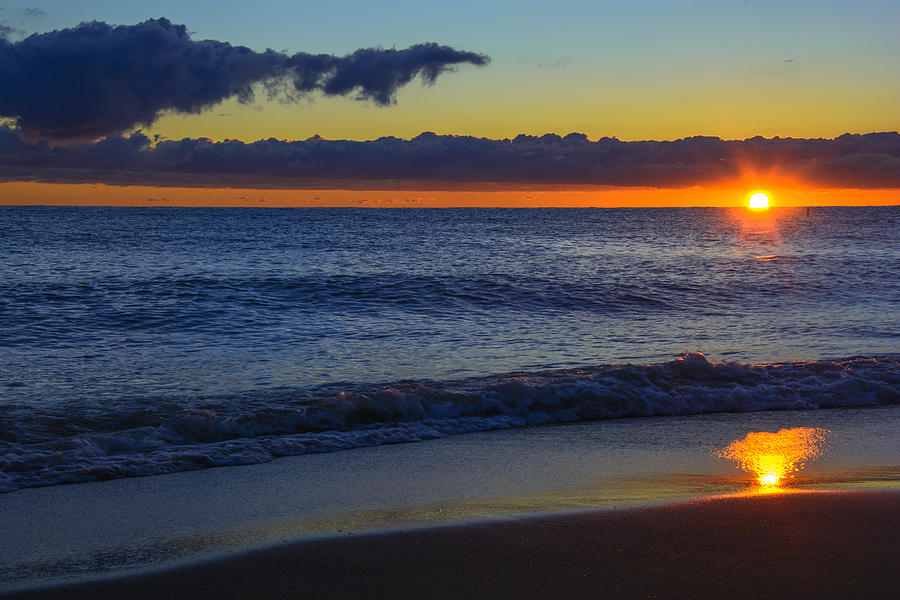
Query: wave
[(39, 448), (213, 304), (38, 312)]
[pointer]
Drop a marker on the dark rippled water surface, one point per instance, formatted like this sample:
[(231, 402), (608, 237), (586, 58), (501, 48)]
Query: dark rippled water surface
[(135, 341)]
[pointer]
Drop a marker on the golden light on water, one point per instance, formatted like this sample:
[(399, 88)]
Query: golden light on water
[(770, 479), (758, 201), (772, 457)]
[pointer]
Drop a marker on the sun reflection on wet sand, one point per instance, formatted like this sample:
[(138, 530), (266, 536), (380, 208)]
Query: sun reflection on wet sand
[(774, 457)]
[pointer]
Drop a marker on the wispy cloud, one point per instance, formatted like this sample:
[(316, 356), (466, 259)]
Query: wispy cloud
[(6, 30), (862, 161), (96, 79)]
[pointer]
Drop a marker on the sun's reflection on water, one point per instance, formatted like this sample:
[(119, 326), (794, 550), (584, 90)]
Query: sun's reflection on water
[(774, 457)]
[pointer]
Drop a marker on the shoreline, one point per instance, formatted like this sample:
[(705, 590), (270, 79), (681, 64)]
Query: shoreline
[(821, 544)]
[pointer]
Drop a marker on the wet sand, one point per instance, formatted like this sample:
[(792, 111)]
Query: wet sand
[(783, 545)]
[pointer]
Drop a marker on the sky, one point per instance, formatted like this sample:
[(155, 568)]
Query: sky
[(658, 70)]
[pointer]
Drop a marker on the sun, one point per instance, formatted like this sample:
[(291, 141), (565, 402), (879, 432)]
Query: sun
[(759, 201)]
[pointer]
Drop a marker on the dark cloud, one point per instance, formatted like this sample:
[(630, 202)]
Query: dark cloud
[(96, 79), (435, 161)]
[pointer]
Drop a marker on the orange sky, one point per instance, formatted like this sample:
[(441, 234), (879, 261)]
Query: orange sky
[(28, 193), (636, 71)]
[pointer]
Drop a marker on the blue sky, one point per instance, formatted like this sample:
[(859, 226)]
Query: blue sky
[(658, 69), (652, 70), (524, 29)]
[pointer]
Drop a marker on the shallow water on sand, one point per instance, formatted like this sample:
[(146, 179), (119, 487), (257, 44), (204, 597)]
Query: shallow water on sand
[(86, 530)]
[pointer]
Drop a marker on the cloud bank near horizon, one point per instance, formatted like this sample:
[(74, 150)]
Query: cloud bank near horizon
[(96, 80), (435, 161)]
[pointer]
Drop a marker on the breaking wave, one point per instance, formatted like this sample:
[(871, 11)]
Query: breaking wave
[(39, 448)]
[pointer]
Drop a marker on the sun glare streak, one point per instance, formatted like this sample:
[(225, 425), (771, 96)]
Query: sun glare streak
[(773, 457)]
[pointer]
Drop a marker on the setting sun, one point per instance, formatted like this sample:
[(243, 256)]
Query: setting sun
[(759, 201)]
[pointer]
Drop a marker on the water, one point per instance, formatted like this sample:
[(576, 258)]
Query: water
[(65, 533), (142, 341)]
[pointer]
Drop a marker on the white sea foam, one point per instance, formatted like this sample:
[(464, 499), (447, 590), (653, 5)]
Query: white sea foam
[(325, 420)]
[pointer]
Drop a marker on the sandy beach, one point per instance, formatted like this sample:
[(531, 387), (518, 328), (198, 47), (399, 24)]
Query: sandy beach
[(782, 545), (350, 300)]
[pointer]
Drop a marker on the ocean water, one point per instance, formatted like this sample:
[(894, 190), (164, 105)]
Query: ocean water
[(139, 341), (66, 533)]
